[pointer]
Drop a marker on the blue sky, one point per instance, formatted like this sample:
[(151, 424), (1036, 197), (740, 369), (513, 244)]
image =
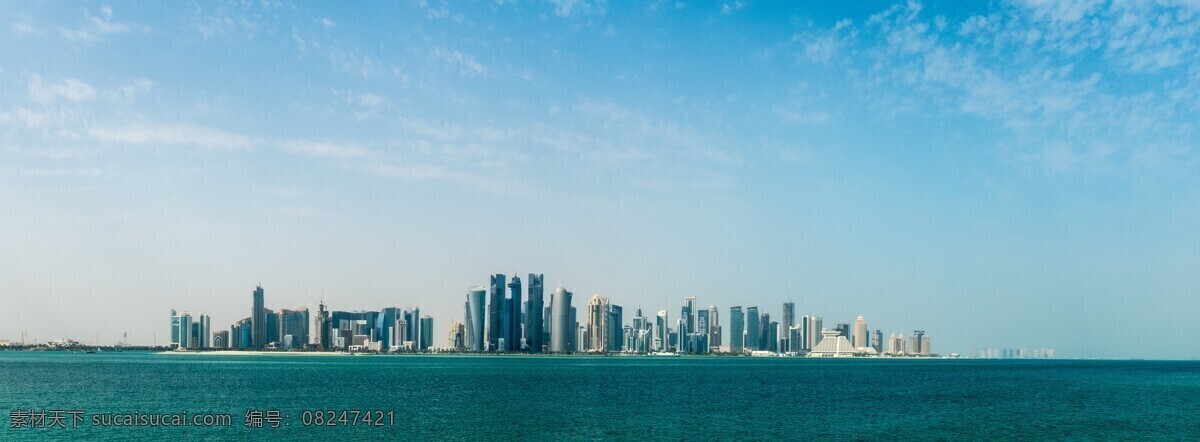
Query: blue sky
[(1000, 174)]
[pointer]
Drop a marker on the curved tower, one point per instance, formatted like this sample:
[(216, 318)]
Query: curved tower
[(561, 327), (476, 300)]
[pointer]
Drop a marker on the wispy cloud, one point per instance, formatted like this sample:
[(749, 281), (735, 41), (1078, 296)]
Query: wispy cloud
[(172, 135), (98, 27), (46, 90), (465, 63), (324, 149)]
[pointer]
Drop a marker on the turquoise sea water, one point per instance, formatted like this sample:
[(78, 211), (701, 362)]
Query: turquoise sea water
[(556, 398)]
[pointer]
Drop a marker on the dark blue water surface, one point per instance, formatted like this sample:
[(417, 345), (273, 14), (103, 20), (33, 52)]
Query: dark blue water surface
[(556, 398)]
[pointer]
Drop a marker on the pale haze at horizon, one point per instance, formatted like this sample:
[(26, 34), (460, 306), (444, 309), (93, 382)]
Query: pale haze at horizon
[(1006, 175)]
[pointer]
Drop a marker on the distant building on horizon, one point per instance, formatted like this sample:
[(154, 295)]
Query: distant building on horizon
[(737, 329), (258, 320)]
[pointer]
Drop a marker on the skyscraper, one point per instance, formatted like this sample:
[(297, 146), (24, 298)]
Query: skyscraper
[(661, 340), (812, 331), (753, 329), (614, 327), (877, 343), (533, 314), (562, 326), (174, 328), (597, 326), (689, 303), (495, 327), (860, 333), (512, 330), (737, 328), (426, 338), (293, 328), (714, 329), (764, 335), (476, 313), (258, 321), (789, 319), (185, 331)]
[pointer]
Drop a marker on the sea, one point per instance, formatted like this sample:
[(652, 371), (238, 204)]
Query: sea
[(132, 395)]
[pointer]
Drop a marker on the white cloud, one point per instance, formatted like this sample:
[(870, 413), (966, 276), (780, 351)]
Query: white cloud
[(327, 23), (97, 28), (566, 8), (172, 134), (44, 90), (322, 149), (465, 64), (731, 7)]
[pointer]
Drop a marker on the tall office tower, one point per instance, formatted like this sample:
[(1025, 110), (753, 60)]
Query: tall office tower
[(914, 345), (753, 329), (458, 333), (690, 304), (204, 337), (495, 327), (476, 314), (640, 327), (582, 337), (399, 333), (322, 339), (239, 335), (737, 329), (702, 330), (796, 338), (258, 321), (860, 333), (789, 319), (714, 329), (662, 342), (534, 333), (615, 327), (925, 350), (574, 319), (843, 330), (221, 339), (412, 320), (895, 344), (764, 334), (512, 333), (597, 327), (877, 342), (185, 330), (426, 338), (293, 327), (812, 331), (561, 327), (174, 328), (772, 335)]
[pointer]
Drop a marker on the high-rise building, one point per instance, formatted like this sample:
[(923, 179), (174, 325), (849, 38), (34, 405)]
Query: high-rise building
[(495, 328), (714, 329), (812, 331), (512, 330), (258, 321), (737, 330), (534, 333), (458, 339), (562, 324), (597, 326), (772, 334), (689, 305), (915, 341), (614, 327), (322, 338), (765, 342), (174, 328), (860, 333), (877, 342), (895, 344), (753, 329), (293, 328), (661, 340), (204, 331), (476, 313), (789, 319), (185, 331), (221, 339), (426, 337)]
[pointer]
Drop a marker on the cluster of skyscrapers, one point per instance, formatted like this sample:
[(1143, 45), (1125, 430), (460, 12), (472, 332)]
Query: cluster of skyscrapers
[(506, 317)]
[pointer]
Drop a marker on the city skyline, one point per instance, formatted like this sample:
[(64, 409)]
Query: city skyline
[(1008, 174), (603, 331)]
